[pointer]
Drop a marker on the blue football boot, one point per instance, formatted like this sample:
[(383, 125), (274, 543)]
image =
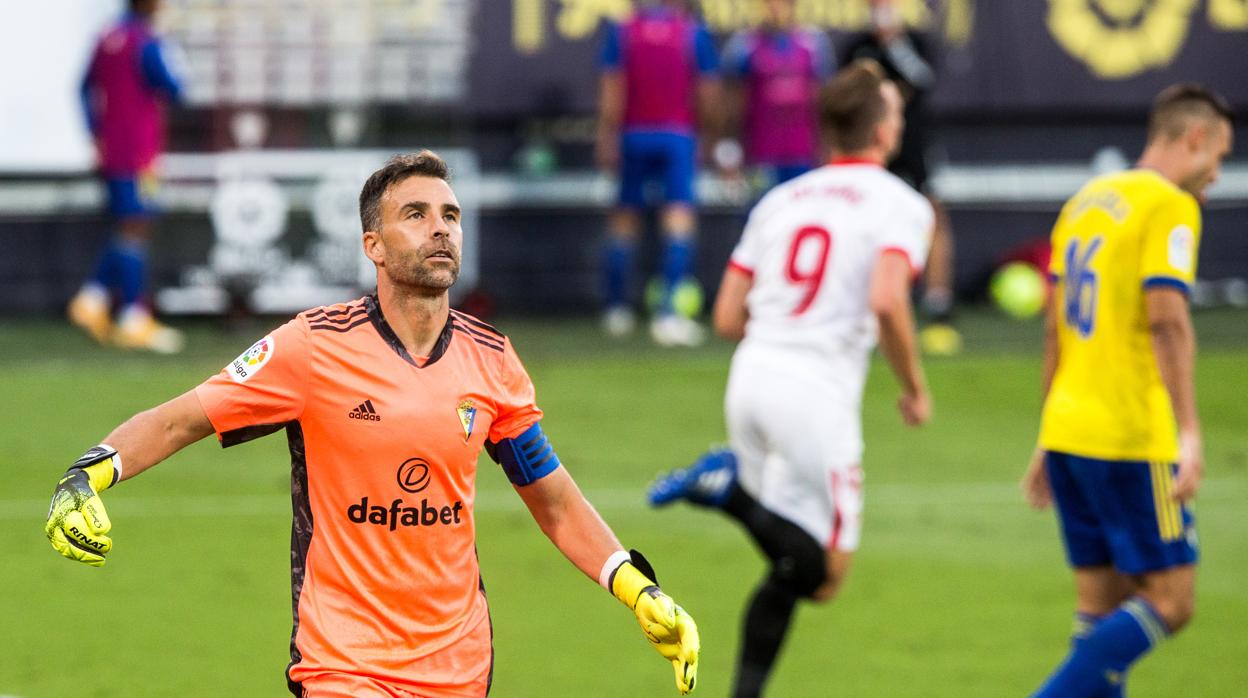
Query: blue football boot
[(707, 482)]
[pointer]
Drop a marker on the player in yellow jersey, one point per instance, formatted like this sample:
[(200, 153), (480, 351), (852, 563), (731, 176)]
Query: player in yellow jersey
[(1120, 448)]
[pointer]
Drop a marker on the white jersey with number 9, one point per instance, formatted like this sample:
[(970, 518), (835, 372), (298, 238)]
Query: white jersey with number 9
[(794, 394), (811, 244)]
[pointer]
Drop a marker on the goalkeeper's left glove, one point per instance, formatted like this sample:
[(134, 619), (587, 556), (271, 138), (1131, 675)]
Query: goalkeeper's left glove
[(666, 625), (77, 523)]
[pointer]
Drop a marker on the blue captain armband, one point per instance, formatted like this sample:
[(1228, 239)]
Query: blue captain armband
[(527, 458)]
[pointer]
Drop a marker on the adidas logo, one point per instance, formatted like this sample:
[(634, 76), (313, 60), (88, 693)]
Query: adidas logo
[(713, 483), (366, 412)]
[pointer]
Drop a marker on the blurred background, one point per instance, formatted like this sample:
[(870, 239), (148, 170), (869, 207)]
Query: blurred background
[(287, 105), (306, 97)]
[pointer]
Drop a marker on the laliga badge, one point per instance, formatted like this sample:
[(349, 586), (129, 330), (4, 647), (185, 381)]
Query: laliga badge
[(1181, 248), (251, 361), (467, 415)]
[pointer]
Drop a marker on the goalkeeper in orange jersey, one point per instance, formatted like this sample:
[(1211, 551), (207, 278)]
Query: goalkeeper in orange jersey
[(386, 402)]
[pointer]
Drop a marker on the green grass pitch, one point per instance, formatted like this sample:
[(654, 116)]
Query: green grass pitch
[(958, 589)]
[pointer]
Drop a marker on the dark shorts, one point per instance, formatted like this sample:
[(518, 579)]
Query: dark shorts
[(132, 196), (656, 156), (773, 175), (1121, 513)]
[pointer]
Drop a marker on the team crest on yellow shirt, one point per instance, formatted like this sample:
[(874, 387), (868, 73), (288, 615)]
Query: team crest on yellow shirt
[(467, 416)]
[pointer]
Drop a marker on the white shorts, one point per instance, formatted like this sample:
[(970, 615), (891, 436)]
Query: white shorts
[(798, 441)]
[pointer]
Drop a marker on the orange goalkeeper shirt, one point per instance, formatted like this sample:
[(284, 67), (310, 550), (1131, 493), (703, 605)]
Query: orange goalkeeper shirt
[(383, 452)]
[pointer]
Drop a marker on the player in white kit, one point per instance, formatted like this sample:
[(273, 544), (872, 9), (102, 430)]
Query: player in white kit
[(824, 267)]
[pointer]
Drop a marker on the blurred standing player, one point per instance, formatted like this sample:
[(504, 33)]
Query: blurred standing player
[(1120, 448), (125, 92), (658, 78), (907, 56), (775, 72), (387, 402), (824, 266)]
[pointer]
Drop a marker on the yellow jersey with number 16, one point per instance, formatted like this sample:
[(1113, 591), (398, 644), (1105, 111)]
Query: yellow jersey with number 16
[(1121, 234)]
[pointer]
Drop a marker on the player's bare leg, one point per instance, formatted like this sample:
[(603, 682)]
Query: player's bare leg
[(623, 235), (1172, 592), (624, 224), (838, 568), (678, 222), (1100, 590)]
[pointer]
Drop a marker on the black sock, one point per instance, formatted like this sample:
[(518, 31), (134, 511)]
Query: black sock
[(766, 624), (781, 540), (744, 508)]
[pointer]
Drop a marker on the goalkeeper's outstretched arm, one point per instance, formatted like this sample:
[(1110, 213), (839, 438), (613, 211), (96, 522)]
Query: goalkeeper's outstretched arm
[(78, 524), (572, 524)]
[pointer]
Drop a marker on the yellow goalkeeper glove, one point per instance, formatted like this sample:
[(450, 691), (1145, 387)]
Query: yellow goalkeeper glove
[(77, 522), (666, 625)]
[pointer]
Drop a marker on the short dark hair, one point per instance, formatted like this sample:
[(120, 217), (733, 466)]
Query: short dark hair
[(143, 7), (1176, 105), (424, 163), (851, 105)]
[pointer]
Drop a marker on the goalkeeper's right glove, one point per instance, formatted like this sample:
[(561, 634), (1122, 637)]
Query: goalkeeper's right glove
[(77, 522), (666, 625)]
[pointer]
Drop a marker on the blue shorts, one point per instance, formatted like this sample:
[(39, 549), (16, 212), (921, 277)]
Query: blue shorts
[(779, 174), (132, 196), (1121, 513), (661, 156)]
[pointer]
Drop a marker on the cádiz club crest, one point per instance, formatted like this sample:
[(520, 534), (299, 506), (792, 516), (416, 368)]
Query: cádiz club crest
[(1118, 39), (467, 416)]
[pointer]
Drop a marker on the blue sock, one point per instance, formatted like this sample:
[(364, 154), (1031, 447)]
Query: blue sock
[(131, 265), (620, 258), (106, 272), (1084, 624), (677, 264), (1098, 663)]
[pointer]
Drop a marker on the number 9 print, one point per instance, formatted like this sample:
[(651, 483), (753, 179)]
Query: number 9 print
[(811, 278)]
